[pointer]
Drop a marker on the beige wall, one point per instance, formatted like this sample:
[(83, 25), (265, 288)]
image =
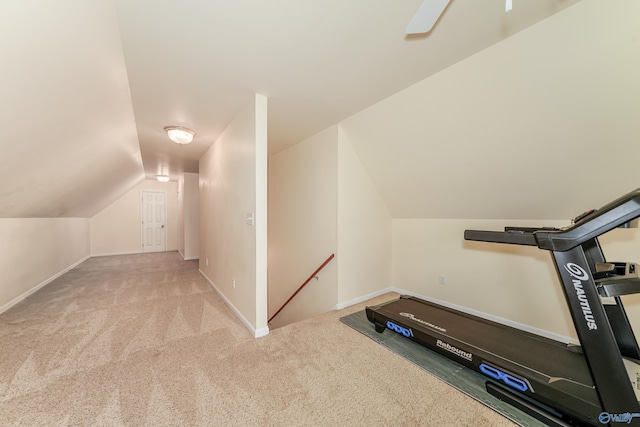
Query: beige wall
[(117, 228), (364, 230), (506, 282), (446, 148), (321, 201), (191, 216), (515, 283), (261, 165), (233, 179), (303, 228), (188, 216), (36, 250), (180, 215)]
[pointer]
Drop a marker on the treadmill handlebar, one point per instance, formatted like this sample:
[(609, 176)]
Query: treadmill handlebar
[(598, 222), (509, 237)]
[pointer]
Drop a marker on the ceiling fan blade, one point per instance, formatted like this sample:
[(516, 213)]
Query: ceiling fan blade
[(427, 16)]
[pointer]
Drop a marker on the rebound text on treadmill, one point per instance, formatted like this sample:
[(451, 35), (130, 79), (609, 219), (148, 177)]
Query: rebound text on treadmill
[(454, 350)]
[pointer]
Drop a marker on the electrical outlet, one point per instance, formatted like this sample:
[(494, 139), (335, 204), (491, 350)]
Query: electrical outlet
[(441, 279), (206, 261), (233, 283)]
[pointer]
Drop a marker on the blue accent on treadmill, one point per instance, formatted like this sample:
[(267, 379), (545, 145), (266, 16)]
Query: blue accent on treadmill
[(399, 329), (504, 378)]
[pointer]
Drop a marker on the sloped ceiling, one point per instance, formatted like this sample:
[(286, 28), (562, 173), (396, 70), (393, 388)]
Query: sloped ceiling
[(69, 143), (544, 125), (87, 87), (197, 63)]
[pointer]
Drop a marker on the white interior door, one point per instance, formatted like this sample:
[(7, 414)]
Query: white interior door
[(154, 230)]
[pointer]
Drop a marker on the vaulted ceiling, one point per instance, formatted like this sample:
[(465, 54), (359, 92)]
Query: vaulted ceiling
[(543, 125), (87, 86)]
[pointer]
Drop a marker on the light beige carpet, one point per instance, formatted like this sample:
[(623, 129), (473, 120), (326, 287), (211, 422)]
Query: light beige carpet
[(143, 340)]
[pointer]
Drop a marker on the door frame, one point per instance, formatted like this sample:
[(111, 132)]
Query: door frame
[(166, 222)]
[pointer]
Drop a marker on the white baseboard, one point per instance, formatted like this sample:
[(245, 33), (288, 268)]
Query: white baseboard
[(117, 253), (261, 332), (136, 253), (342, 305), (187, 258), (257, 333), (16, 300)]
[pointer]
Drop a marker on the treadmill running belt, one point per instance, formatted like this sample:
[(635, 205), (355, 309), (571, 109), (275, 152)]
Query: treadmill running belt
[(537, 366)]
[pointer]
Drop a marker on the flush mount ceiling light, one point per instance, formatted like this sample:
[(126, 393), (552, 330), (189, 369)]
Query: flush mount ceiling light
[(162, 178), (180, 135)]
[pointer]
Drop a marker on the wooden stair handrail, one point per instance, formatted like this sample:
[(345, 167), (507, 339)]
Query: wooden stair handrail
[(302, 286)]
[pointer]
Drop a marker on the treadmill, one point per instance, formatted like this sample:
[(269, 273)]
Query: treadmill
[(596, 383)]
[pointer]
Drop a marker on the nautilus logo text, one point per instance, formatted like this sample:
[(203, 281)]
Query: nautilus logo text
[(576, 271), (579, 275), (423, 322)]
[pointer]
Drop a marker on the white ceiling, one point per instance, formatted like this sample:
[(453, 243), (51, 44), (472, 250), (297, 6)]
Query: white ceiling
[(197, 63), (87, 87)]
